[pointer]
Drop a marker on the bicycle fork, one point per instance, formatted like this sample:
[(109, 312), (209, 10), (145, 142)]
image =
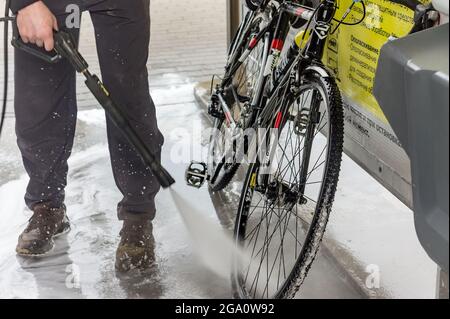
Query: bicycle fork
[(314, 117)]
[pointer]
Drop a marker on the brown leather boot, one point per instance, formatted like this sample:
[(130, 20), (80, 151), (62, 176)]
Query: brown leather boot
[(45, 224), (137, 246)]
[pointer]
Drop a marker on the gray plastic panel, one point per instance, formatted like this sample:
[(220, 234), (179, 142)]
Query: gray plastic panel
[(412, 88)]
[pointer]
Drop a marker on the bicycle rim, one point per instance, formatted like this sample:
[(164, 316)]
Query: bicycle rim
[(277, 221)]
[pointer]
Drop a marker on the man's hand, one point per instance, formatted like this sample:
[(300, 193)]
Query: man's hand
[(36, 24)]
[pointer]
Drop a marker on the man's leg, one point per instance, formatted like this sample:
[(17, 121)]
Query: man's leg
[(45, 109), (122, 33), (46, 112)]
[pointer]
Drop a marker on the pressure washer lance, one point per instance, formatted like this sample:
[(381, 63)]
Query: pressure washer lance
[(65, 47)]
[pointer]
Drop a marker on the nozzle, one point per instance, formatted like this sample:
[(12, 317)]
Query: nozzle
[(163, 177)]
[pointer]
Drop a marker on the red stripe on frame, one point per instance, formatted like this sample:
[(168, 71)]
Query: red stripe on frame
[(277, 44), (278, 120), (253, 43), (300, 11), (228, 118)]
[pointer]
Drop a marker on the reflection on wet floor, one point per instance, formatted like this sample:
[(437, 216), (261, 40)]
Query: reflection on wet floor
[(142, 285), (57, 276), (57, 269)]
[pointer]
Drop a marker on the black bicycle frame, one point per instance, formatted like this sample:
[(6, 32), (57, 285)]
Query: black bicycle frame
[(266, 107), (312, 53), (271, 115)]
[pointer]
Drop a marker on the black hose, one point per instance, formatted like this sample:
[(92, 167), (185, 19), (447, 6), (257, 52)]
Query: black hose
[(342, 22), (6, 67)]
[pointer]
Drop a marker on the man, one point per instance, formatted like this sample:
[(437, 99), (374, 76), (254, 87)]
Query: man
[(45, 108)]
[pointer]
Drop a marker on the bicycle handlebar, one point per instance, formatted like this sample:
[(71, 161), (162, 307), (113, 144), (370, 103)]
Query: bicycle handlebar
[(411, 4), (297, 10)]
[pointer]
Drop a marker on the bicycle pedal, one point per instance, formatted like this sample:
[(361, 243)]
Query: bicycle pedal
[(196, 174)]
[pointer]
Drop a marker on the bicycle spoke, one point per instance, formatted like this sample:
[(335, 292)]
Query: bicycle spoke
[(283, 206)]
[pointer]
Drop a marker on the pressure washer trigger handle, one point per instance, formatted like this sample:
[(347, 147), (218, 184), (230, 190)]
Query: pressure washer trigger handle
[(18, 43)]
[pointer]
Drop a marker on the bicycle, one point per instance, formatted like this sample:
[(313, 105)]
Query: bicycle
[(302, 80), (294, 166)]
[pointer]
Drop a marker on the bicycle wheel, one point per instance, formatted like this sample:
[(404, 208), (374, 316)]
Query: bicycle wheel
[(222, 165), (283, 212)]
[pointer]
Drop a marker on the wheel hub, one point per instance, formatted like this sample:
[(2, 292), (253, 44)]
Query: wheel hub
[(282, 194)]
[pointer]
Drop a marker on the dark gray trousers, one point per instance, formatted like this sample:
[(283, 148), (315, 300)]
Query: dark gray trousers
[(46, 108)]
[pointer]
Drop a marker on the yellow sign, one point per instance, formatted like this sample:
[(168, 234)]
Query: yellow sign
[(353, 51)]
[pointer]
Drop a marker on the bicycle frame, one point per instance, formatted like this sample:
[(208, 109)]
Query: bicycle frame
[(274, 35), (311, 55)]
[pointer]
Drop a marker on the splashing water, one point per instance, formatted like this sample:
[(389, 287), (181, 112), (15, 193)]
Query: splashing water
[(211, 242)]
